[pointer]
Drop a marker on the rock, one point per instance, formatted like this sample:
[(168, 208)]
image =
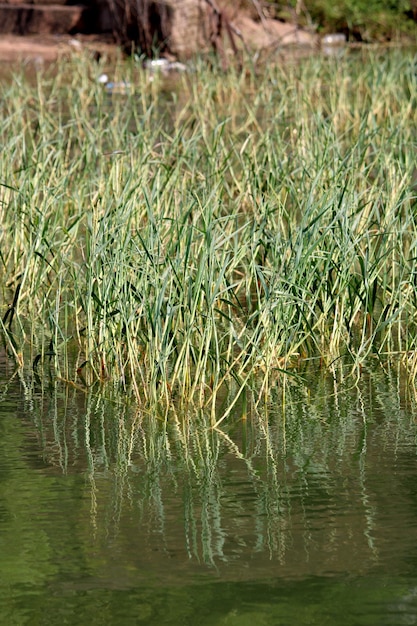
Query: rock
[(179, 29), (42, 19), (334, 39), (164, 66)]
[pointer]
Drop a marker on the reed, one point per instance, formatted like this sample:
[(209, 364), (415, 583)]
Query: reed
[(192, 240)]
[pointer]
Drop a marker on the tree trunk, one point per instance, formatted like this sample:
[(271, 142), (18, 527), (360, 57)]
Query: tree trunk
[(177, 27)]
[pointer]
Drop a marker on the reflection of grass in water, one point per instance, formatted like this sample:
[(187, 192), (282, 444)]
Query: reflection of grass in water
[(245, 489), (273, 222)]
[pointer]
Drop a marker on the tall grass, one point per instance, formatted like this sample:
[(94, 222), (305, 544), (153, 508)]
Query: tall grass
[(209, 236)]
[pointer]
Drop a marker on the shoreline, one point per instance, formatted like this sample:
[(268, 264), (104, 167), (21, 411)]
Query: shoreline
[(249, 34)]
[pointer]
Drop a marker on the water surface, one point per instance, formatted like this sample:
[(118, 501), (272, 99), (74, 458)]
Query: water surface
[(306, 516)]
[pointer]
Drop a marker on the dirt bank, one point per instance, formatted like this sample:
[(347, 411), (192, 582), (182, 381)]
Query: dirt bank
[(49, 48), (254, 35)]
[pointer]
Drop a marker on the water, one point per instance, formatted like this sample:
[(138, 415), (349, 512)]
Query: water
[(308, 517)]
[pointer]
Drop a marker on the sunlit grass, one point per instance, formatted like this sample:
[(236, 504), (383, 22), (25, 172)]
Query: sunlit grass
[(182, 242)]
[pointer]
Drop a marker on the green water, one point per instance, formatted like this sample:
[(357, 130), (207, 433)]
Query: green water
[(306, 517)]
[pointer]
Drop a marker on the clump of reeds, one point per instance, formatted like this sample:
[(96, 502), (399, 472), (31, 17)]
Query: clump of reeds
[(178, 242)]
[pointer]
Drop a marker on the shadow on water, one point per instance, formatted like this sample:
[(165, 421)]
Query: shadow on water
[(303, 513)]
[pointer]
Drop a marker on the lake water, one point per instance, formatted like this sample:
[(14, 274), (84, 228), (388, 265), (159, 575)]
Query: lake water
[(305, 516)]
